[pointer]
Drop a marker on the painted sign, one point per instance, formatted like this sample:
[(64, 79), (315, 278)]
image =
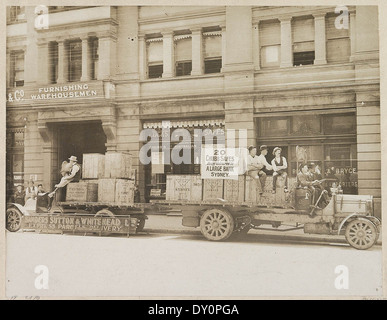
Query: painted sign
[(80, 223), (219, 163)]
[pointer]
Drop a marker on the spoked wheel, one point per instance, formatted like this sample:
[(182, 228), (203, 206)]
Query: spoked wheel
[(216, 224), (104, 213), (14, 219), (361, 234)]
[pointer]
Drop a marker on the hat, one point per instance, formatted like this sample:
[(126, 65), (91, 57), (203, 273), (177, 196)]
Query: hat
[(263, 147), (276, 148), (73, 158), (312, 165)]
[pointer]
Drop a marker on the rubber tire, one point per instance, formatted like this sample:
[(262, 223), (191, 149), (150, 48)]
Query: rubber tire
[(17, 216), (211, 219), (366, 225), (141, 225)]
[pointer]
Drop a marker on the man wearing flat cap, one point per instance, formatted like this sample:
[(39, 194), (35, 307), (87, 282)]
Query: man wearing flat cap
[(280, 166), (71, 171)]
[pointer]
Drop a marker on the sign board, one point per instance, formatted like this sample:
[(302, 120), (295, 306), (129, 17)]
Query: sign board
[(219, 163), (80, 223), (155, 192)]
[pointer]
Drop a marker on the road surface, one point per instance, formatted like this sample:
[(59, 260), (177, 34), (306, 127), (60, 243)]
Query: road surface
[(184, 265)]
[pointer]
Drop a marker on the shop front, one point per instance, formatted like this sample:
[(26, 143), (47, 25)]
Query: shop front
[(326, 138), (156, 172)]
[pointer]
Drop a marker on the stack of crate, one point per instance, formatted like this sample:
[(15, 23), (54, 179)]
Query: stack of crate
[(106, 178), (117, 186), (184, 188), (87, 189)]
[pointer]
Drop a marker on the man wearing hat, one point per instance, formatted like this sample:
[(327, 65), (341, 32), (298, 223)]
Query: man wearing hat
[(279, 165), (71, 171)]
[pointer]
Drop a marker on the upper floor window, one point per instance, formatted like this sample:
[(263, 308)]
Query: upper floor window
[(270, 43), (338, 41), (53, 61), (155, 57), (303, 41), (212, 51), (17, 69), (74, 60), (183, 55), (94, 58), (15, 14)]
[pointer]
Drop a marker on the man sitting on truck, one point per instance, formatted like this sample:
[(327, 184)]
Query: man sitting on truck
[(305, 180), (254, 169)]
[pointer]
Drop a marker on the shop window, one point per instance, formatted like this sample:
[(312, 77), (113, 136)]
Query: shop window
[(17, 69), (183, 55), (306, 125), (75, 60), (303, 41), (155, 57), (339, 124), (270, 42), (94, 58), (274, 127), (53, 61), (212, 51), (338, 41)]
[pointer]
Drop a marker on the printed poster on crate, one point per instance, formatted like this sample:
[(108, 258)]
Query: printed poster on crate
[(219, 163)]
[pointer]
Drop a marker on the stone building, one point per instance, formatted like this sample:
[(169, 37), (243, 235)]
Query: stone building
[(89, 79)]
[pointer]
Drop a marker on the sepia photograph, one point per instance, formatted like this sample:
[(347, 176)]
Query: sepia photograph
[(189, 150)]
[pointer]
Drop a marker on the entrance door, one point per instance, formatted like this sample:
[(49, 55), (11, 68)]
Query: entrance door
[(75, 139)]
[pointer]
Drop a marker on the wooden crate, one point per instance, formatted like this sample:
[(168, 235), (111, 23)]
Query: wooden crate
[(82, 191), (212, 189), (234, 190), (93, 166), (124, 193), (118, 165), (179, 187), (106, 190), (196, 188)]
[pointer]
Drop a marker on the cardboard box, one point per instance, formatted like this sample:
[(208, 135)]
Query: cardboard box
[(212, 189), (106, 190), (93, 166), (82, 191), (118, 165), (124, 193)]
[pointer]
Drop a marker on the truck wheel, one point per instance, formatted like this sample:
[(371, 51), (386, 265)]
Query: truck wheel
[(14, 218), (361, 234), (104, 213), (216, 224), (140, 225)]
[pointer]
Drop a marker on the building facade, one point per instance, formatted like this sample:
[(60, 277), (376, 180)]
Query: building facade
[(90, 79)]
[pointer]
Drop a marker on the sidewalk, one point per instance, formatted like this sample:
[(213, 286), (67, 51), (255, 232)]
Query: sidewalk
[(173, 224)]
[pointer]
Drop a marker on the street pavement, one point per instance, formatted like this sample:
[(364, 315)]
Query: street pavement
[(186, 265)]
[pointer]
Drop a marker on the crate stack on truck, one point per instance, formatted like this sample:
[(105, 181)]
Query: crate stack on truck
[(191, 188), (106, 178)]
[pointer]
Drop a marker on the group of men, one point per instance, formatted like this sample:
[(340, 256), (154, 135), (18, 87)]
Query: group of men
[(256, 164), (21, 196)]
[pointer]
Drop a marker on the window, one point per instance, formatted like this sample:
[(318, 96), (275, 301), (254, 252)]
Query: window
[(17, 69), (75, 60), (339, 124), (338, 42), (183, 55), (212, 51), (155, 57), (94, 58), (270, 42), (16, 13), (53, 61), (303, 41)]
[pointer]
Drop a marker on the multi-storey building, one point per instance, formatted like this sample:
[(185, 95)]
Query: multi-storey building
[(89, 79)]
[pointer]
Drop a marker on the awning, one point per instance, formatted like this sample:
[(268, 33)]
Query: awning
[(184, 124)]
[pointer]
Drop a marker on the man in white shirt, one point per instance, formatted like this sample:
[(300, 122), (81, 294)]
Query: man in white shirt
[(280, 166), (255, 164)]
